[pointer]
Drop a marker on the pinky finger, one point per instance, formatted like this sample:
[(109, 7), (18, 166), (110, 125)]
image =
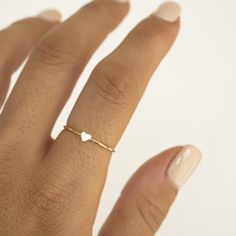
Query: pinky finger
[(17, 41), (146, 199)]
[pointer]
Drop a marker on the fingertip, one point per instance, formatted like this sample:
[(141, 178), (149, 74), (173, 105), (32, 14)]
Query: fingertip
[(183, 165), (122, 1), (168, 11), (154, 171), (51, 15)]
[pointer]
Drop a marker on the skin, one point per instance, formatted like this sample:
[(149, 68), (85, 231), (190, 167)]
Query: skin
[(53, 187)]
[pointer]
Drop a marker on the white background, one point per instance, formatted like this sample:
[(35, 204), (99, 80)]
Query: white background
[(191, 99)]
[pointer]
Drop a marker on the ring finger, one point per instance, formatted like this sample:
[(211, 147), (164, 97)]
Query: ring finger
[(108, 101)]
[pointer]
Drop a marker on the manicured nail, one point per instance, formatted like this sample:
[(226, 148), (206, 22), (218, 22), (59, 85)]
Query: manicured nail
[(50, 15), (184, 165), (122, 1), (168, 11)]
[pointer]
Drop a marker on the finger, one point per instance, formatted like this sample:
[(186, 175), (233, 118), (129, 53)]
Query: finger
[(147, 197), (53, 70), (17, 41), (4, 85), (107, 103)]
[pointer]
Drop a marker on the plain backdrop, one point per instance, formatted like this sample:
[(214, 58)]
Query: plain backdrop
[(191, 99)]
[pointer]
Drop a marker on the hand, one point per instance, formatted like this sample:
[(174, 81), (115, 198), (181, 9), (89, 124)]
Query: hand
[(53, 187)]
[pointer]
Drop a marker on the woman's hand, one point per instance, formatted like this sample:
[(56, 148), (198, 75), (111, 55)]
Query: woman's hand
[(53, 187)]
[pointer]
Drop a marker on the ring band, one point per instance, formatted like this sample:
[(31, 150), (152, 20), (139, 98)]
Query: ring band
[(85, 137)]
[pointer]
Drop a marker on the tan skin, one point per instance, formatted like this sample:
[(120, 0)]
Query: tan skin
[(53, 187)]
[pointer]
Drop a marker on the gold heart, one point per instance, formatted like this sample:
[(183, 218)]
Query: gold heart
[(85, 137)]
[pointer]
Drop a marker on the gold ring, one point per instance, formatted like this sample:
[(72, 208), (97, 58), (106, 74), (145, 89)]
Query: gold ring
[(85, 137)]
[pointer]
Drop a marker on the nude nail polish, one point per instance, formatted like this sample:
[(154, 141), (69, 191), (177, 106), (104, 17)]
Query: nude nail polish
[(184, 165), (122, 1), (168, 11), (50, 15)]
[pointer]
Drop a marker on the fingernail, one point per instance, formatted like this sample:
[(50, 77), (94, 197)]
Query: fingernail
[(50, 15), (122, 1), (168, 11), (184, 165)]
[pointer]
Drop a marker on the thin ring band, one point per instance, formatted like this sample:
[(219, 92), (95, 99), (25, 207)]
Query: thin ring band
[(85, 137)]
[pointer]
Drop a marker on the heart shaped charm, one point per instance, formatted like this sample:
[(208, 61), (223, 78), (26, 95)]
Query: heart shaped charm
[(85, 137)]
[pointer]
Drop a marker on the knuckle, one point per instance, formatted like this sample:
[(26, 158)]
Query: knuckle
[(57, 49), (152, 209), (44, 199), (11, 145), (115, 83), (11, 155), (50, 197)]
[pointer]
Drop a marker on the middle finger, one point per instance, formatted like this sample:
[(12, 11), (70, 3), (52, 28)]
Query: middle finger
[(50, 74)]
